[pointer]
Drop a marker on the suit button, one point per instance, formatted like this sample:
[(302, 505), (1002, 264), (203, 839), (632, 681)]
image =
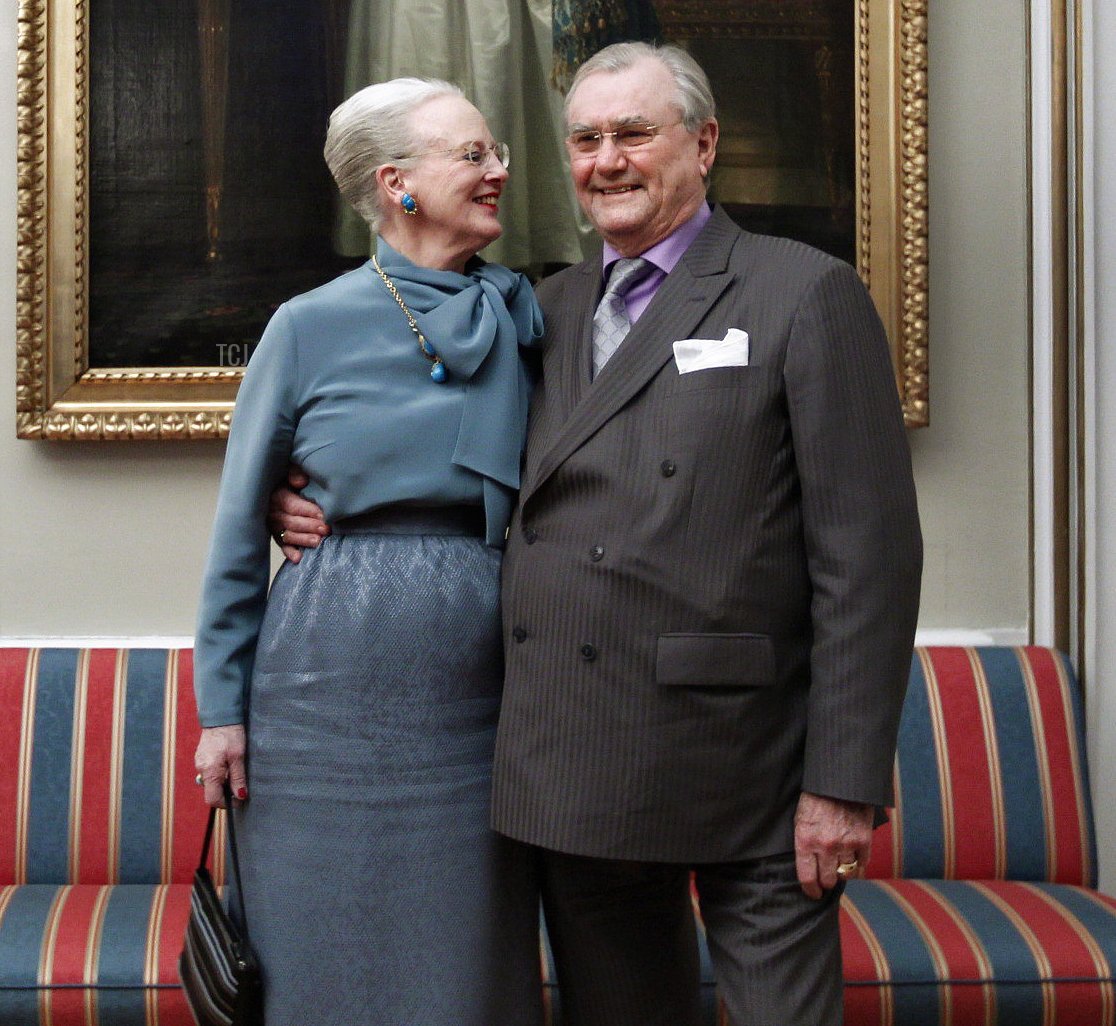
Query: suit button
[(530, 535), (588, 653), (596, 553), (668, 468), (519, 634)]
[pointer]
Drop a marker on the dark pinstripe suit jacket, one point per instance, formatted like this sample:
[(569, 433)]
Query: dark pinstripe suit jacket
[(712, 580)]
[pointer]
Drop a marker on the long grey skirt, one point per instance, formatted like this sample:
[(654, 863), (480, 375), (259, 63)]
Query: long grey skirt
[(374, 889)]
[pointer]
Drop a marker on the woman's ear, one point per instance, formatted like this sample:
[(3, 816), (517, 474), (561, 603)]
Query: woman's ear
[(390, 178)]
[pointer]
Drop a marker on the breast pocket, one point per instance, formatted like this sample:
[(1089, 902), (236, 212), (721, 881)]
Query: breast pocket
[(717, 407), (717, 377)]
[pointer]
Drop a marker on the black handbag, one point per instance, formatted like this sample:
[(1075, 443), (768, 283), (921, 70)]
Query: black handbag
[(219, 972)]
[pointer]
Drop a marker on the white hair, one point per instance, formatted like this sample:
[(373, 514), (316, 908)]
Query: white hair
[(695, 96), (372, 128)]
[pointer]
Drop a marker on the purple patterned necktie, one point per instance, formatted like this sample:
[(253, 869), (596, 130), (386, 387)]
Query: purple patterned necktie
[(610, 321)]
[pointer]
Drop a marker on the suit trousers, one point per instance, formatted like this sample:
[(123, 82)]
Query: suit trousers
[(625, 944)]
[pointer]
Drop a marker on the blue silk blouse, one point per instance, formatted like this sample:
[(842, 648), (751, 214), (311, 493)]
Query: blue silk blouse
[(337, 385)]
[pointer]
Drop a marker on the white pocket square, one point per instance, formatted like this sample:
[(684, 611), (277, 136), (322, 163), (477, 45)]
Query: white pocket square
[(693, 354)]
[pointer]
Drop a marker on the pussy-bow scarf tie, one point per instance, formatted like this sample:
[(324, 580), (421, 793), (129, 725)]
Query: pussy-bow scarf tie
[(476, 323)]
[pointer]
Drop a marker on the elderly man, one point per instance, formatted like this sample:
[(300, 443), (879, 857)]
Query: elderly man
[(710, 586)]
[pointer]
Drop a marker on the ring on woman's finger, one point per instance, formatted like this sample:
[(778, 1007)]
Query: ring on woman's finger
[(845, 868), (198, 780), (281, 537)]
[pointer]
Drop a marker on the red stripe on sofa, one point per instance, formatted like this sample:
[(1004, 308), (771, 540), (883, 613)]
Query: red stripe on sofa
[(45, 975), (972, 766), (71, 944), (1105, 996), (172, 928), (13, 677), (186, 815), (171, 1003), (96, 810), (864, 961), (1057, 948), (961, 955), (1048, 691), (74, 961)]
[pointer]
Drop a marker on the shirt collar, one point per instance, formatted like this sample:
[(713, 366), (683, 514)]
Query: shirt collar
[(666, 252)]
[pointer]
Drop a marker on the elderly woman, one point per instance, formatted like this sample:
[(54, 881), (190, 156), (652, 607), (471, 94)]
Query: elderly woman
[(353, 708)]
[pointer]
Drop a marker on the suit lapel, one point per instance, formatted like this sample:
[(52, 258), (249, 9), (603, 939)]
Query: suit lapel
[(682, 301), (580, 301)]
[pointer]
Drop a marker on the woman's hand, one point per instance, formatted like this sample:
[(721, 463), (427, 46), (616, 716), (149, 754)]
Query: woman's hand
[(220, 754)]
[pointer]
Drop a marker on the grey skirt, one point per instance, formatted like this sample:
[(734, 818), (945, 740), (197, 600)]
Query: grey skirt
[(375, 891)]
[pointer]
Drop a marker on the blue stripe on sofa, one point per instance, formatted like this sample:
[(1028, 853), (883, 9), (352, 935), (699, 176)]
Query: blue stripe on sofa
[(1022, 782), (923, 838), (1011, 958), (49, 816), (122, 1007), (141, 813), (906, 952), (21, 936), (19, 1008), (1097, 918), (124, 940)]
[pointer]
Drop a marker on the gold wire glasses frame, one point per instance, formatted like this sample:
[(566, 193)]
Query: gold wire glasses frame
[(587, 141), (476, 153)]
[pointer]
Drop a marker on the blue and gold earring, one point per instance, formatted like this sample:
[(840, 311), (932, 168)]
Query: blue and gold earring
[(408, 204)]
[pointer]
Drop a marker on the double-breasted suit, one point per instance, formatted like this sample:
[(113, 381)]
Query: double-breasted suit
[(711, 581)]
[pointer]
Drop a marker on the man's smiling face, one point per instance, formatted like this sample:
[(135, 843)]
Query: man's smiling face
[(637, 197)]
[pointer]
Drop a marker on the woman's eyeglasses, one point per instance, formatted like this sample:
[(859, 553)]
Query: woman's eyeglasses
[(475, 153)]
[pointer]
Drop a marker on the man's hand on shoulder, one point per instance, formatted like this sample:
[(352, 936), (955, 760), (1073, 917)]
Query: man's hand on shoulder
[(294, 522), (828, 833)]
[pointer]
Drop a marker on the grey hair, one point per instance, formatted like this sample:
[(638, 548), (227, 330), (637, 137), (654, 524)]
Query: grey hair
[(372, 128), (695, 96)]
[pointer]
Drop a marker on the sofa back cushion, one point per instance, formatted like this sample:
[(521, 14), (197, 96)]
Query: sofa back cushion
[(98, 785), (990, 775)]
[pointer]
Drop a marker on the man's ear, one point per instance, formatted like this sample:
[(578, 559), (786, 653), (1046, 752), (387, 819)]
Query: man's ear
[(707, 145)]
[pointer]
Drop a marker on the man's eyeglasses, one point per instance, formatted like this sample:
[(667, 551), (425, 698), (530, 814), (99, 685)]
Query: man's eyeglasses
[(586, 142), (475, 153)]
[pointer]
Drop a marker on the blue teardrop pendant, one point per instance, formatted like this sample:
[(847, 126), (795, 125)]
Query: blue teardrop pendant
[(438, 372)]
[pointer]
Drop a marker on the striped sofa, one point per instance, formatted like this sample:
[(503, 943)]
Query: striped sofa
[(100, 828), (980, 909), (981, 905)]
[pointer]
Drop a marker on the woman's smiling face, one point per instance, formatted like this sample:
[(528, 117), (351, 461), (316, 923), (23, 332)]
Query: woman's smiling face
[(458, 200)]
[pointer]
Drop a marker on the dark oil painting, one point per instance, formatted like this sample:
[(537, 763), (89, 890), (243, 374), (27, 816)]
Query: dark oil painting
[(210, 203)]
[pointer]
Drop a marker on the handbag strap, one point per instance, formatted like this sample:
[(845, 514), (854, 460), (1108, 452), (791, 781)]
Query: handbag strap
[(232, 848)]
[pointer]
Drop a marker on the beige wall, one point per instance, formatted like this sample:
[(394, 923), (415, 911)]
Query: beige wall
[(1101, 653), (972, 462), (107, 539)]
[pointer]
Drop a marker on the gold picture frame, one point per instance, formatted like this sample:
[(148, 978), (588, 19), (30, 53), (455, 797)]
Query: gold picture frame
[(59, 396)]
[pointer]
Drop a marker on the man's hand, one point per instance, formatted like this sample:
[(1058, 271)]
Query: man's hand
[(829, 832), (294, 522)]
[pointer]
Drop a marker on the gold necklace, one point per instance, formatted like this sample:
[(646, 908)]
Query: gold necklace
[(438, 370)]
